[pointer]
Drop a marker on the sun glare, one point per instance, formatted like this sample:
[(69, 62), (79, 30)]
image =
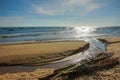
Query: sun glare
[(84, 29)]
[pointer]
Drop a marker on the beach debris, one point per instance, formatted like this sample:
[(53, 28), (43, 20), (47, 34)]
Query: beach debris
[(82, 60)]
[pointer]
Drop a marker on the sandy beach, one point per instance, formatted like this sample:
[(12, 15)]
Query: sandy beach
[(38, 48), (36, 53), (40, 53)]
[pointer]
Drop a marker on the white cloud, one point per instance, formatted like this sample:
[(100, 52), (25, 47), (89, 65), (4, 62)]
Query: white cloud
[(92, 7), (67, 7), (76, 2), (84, 6), (44, 11)]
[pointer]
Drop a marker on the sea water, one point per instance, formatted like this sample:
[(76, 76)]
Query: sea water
[(34, 34)]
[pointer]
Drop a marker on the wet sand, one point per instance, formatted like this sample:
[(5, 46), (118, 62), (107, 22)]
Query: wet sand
[(38, 48), (105, 74), (36, 53)]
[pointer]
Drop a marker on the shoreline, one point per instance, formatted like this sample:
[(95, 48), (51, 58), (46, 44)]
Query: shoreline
[(44, 41)]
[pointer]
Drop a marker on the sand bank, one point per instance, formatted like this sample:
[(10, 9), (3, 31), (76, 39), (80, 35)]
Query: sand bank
[(36, 53), (38, 48)]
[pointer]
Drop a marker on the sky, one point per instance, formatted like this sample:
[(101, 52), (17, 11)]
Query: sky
[(59, 13)]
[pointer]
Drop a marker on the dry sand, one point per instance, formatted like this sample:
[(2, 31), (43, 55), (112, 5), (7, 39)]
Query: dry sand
[(109, 74), (27, 75)]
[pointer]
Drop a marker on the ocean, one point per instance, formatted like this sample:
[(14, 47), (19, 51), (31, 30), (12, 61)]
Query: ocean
[(46, 34)]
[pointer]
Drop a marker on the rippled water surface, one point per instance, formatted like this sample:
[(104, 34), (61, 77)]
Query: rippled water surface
[(33, 34)]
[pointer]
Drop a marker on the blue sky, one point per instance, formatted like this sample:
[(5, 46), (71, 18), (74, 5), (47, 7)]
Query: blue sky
[(59, 13)]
